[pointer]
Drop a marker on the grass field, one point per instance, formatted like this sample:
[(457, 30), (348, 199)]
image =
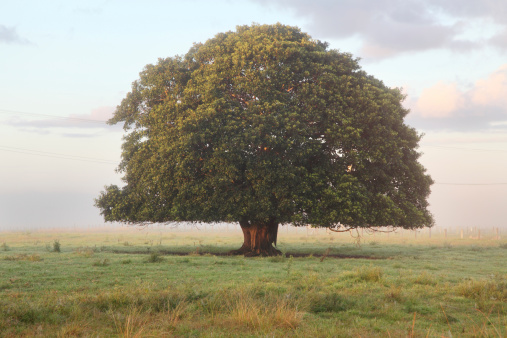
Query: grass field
[(122, 283)]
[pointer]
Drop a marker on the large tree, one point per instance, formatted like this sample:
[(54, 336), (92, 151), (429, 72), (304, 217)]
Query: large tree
[(266, 126)]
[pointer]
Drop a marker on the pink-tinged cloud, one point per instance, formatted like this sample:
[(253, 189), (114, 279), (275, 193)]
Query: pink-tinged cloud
[(98, 114), (97, 118), (439, 101), (493, 90), (445, 106)]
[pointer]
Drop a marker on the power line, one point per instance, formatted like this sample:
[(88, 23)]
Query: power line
[(55, 155), (5, 111), (467, 149), (471, 184), (103, 161), (96, 160)]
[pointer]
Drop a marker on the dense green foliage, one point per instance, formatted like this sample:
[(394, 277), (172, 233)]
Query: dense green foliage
[(266, 125)]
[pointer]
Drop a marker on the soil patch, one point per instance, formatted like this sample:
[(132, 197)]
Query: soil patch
[(287, 254)]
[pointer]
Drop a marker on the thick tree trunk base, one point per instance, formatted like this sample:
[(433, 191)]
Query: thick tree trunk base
[(248, 252), (258, 240)]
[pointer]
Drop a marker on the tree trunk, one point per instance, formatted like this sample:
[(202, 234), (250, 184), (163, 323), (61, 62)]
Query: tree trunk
[(258, 239)]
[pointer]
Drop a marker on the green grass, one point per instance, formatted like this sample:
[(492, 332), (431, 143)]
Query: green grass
[(395, 286)]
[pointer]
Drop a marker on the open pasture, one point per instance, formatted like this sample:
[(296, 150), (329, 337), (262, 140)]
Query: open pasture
[(123, 282)]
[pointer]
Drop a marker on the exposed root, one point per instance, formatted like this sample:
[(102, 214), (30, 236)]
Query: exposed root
[(247, 252), (241, 251)]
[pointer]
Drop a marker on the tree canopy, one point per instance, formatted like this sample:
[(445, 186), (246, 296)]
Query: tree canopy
[(266, 126)]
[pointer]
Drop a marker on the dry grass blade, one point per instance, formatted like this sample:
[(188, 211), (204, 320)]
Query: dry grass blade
[(412, 334), (490, 322), (447, 319), (132, 326), (173, 316)]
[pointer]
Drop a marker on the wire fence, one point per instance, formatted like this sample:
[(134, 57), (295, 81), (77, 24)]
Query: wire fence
[(436, 232)]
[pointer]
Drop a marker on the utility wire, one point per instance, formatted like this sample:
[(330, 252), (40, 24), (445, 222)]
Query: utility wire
[(96, 160), (466, 149), (50, 154), (471, 184), (55, 155), (5, 111)]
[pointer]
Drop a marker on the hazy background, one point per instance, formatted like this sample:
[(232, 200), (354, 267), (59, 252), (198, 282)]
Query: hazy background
[(65, 65)]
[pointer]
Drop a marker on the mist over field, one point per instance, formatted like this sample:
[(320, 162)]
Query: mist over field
[(43, 210)]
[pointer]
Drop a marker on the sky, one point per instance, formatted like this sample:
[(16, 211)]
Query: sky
[(66, 65)]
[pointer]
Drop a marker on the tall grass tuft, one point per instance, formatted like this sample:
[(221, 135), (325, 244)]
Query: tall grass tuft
[(24, 257), (244, 309), (369, 273), (327, 302), (154, 257), (57, 246), (130, 326), (394, 293), (425, 278), (494, 289), (101, 262), (289, 265), (173, 315), (84, 252)]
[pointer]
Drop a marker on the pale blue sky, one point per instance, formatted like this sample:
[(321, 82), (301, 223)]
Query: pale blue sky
[(77, 59)]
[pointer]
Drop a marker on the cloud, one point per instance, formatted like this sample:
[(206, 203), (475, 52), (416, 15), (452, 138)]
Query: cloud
[(394, 38), (10, 35), (391, 27), (96, 119), (492, 91), (103, 113), (445, 106), (78, 135), (439, 101), (492, 9), (500, 40)]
